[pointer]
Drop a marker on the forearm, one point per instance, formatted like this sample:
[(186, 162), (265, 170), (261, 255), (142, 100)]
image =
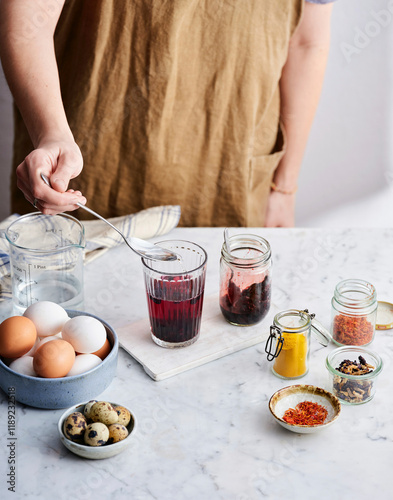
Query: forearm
[(28, 58), (300, 87)]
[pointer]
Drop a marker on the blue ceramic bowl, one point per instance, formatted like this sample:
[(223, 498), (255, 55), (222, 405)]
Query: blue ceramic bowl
[(55, 393)]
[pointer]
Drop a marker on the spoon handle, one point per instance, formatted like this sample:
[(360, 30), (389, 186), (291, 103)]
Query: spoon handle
[(226, 239), (104, 220), (145, 249), (46, 180)]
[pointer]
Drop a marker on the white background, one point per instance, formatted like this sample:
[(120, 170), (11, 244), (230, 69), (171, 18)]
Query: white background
[(347, 173)]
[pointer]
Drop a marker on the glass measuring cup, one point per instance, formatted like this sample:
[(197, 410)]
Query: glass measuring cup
[(46, 257)]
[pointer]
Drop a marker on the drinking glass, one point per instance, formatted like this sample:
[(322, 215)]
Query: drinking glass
[(175, 294)]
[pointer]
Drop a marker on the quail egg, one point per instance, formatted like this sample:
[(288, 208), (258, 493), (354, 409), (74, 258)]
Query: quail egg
[(96, 434), (87, 408), (75, 426), (123, 414), (117, 432), (103, 412)]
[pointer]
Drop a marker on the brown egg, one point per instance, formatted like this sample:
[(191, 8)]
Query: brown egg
[(54, 359), (17, 336), (104, 351)]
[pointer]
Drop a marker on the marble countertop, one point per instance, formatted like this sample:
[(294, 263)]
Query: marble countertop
[(207, 433)]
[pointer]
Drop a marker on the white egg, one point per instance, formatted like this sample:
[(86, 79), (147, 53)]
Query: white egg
[(23, 365), (85, 333), (48, 317), (34, 348), (83, 363), (44, 340)]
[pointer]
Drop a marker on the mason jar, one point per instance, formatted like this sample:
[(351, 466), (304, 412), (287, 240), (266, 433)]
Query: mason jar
[(245, 279), (354, 312), (289, 342)]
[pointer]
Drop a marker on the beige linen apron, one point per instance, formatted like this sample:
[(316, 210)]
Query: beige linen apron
[(173, 102)]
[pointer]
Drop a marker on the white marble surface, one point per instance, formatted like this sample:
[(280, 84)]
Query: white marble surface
[(217, 339), (207, 433)]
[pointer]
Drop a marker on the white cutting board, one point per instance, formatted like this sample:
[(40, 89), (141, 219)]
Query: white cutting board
[(217, 338)]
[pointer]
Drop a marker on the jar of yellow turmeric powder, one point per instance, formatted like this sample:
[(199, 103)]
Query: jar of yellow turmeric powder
[(289, 341)]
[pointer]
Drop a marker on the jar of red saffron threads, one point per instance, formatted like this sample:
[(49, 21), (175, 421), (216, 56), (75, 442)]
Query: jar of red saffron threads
[(354, 312)]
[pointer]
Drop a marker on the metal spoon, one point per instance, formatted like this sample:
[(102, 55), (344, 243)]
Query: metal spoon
[(141, 247), (226, 239)]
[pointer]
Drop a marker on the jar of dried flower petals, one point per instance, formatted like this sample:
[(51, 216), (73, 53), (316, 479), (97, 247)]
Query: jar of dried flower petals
[(354, 312)]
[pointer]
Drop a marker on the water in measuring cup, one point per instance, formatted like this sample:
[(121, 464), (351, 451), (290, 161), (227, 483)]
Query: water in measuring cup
[(66, 291)]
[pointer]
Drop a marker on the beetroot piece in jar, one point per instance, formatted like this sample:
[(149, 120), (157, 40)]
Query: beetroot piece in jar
[(246, 307)]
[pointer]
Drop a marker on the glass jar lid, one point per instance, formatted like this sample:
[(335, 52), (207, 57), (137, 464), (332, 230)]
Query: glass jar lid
[(320, 332), (384, 316), (296, 321)]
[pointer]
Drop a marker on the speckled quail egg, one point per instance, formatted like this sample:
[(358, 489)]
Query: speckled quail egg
[(103, 412), (117, 432), (75, 426), (87, 408), (123, 414), (96, 434)]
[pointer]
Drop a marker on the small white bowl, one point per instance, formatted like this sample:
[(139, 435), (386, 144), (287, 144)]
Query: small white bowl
[(289, 397), (96, 452)]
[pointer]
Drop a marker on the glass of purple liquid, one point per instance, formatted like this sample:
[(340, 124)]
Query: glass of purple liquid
[(175, 294)]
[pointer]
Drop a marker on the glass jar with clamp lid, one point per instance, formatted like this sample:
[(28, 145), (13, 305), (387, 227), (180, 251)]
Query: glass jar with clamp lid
[(289, 342)]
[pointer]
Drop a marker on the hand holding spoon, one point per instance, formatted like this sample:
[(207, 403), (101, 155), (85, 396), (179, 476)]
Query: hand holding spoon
[(139, 246)]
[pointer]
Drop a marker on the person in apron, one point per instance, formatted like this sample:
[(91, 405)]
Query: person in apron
[(204, 104)]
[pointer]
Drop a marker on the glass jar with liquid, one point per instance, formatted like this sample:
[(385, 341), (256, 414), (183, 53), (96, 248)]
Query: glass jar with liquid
[(245, 279)]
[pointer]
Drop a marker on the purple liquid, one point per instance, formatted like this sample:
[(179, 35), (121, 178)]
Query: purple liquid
[(248, 306), (172, 318)]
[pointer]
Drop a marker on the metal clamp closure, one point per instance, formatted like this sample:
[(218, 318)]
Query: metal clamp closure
[(312, 315), (275, 333)]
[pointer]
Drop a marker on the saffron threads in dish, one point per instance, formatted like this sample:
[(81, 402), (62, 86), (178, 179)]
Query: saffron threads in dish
[(306, 413)]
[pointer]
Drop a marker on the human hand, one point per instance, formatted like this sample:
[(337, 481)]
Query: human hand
[(60, 161), (280, 210)]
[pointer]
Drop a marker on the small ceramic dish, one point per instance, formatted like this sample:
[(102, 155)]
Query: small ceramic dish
[(96, 452), (289, 397)]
